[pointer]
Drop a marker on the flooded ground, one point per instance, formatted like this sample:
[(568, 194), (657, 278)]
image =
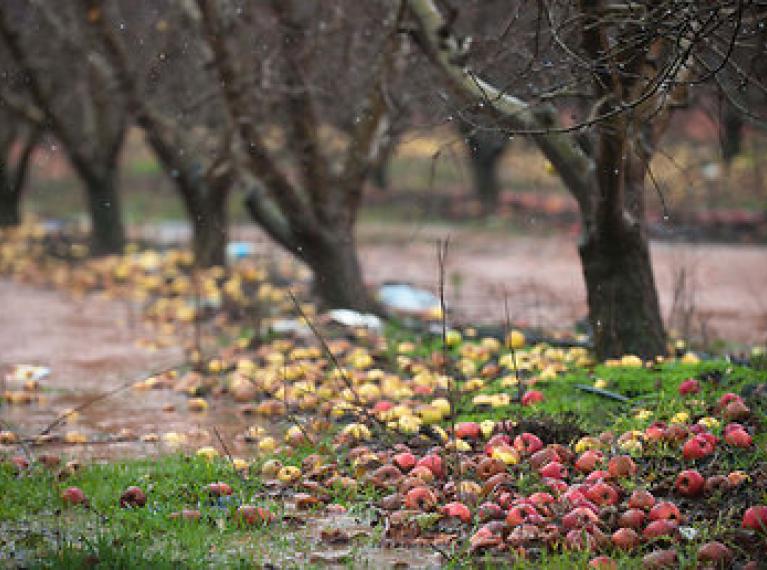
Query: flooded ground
[(92, 349)]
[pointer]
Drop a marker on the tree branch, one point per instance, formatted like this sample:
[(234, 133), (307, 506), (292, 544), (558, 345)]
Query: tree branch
[(562, 150)]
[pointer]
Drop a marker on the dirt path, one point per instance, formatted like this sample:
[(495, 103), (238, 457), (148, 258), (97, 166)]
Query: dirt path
[(726, 284), (91, 350)]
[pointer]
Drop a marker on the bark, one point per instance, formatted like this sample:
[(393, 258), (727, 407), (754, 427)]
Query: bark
[(107, 231), (337, 273), (485, 151), (210, 233), (623, 305), (10, 204)]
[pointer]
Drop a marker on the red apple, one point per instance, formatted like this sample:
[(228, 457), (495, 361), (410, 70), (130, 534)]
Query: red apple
[(405, 461), (579, 517), (432, 462), (632, 518), (665, 510), (689, 386), (252, 515), (697, 447), (420, 498), (654, 434), (658, 528), (532, 397), (490, 512), (690, 483), (755, 518), (597, 476), (602, 494), (528, 442), (738, 438), (554, 470), (556, 485), (495, 441), (457, 510), (382, 406), (74, 496), (727, 398), (641, 499), (219, 489), (588, 460), (603, 563), (621, 466), (626, 539), (132, 497), (660, 559), (468, 430), (715, 552)]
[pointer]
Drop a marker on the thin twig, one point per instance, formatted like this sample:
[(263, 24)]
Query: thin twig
[(59, 419)]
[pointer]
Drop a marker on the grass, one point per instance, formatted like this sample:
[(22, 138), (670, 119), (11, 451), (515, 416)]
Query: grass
[(38, 531)]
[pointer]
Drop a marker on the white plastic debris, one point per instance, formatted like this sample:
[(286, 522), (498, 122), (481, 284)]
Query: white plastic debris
[(688, 533), (350, 318), (405, 297), (290, 326), (23, 372)]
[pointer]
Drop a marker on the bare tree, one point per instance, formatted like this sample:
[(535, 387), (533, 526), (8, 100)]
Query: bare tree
[(631, 62), (75, 103), (14, 164), (309, 201), (159, 61)]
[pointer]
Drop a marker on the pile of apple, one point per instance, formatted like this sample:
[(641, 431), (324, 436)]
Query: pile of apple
[(589, 499)]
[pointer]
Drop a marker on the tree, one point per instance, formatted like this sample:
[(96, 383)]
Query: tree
[(630, 61), (161, 70), (13, 173), (308, 202), (75, 104)]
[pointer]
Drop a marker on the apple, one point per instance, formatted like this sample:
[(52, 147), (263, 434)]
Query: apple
[(252, 515), (641, 499), (736, 410), (654, 434), (382, 406), (602, 494), (690, 483), (665, 510), (433, 463), (423, 473), (579, 517), (658, 528), (74, 496), (727, 398), (716, 483), (736, 478), (626, 538), (271, 468), (556, 485), (697, 447), (457, 510), (738, 438), (632, 518), (532, 397), (420, 498), (541, 457), (132, 497), (660, 559), (541, 498), (588, 460), (405, 461), (715, 552), (755, 518), (289, 474), (520, 514), (597, 476), (528, 442), (490, 512), (603, 563), (621, 466), (495, 441), (554, 470), (577, 539), (689, 386), (468, 430), (219, 489)]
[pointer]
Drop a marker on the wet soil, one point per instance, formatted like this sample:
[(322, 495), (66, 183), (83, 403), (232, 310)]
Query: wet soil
[(91, 349)]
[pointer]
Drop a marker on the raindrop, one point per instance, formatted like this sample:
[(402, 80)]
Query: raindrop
[(122, 26)]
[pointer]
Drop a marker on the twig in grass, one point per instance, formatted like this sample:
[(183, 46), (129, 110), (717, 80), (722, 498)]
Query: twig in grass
[(452, 392), (62, 417), (336, 364), (507, 340), (603, 393)]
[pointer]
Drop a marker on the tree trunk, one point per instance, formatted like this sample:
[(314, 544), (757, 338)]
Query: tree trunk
[(210, 233), (485, 151), (107, 232), (623, 303), (337, 273), (10, 205)]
